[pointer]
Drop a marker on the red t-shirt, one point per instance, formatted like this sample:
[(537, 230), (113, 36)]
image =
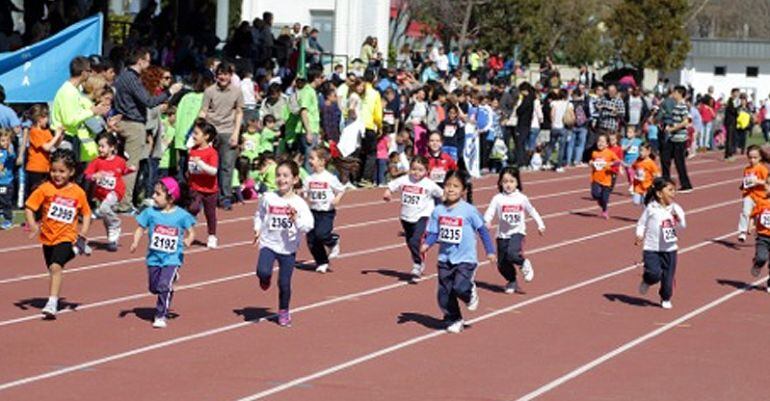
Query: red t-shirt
[(113, 171), (199, 180), (618, 151), (440, 165)]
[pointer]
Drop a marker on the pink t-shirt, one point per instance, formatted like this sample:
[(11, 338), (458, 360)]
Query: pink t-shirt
[(382, 147)]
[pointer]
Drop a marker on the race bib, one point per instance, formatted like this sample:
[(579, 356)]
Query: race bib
[(749, 181), (411, 195), (318, 191), (249, 146), (512, 214), (62, 210), (164, 239), (193, 168), (389, 119), (633, 150), (640, 174), (764, 219), (107, 182), (450, 229), (599, 164), (438, 174), (3, 190), (449, 130), (668, 231), (278, 218)]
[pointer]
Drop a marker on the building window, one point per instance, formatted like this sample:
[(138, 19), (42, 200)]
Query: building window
[(752, 72), (720, 70)]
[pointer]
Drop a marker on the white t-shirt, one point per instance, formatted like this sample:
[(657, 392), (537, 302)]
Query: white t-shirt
[(247, 88), (277, 232), (442, 63), (320, 190), (416, 197), (657, 226), (558, 109), (511, 208)]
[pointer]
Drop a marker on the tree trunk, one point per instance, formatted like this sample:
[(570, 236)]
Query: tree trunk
[(466, 21)]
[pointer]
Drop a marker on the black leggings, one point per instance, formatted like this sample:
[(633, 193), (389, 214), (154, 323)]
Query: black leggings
[(601, 194), (509, 256)]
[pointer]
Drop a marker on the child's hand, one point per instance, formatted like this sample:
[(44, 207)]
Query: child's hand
[(292, 214), (33, 230), (492, 258), (387, 196), (638, 241), (541, 231), (133, 247), (256, 237), (188, 242), (424, 248), (195, 160), (489, 226)]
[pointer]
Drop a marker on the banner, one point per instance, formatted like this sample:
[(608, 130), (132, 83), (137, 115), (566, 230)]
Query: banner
[(33, 74), (471, 152)]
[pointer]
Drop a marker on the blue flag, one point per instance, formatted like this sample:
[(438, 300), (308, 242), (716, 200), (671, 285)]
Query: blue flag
[(33, 74)]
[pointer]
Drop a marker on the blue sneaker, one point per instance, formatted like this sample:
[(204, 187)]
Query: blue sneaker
[(6, 225)]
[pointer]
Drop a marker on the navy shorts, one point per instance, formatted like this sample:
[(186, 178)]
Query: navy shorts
[(59, 254)]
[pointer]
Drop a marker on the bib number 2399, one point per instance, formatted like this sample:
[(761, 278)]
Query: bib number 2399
[(61, 212)]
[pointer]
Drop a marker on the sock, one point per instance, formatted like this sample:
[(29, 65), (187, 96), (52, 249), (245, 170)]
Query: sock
[(53, 300)]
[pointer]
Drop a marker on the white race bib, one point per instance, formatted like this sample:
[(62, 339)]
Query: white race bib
[(62, 210), (389, 119), (278, 218), (669, 232), (749, 181), (164, 239), (640, 174), (249, 146), (599, 164), (192, 168), (764, 219), (318, 192), (411, 195), (438, 175), (512, 214), (3, 190), (633, 150), (107, 182), (450, 229), (449, 130)]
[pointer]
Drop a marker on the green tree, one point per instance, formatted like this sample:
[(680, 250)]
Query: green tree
[(650, 33)]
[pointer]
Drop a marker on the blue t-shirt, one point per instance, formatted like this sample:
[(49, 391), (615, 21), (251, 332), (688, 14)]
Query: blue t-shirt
[(631, 152), (652, 132), (8, 161), (455, 231), (8, 117), (166, 234)]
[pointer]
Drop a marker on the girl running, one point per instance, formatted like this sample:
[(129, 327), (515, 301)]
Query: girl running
[(170, 231), (202, 176), (753, 188), (602, 161), (630, 145), (656, 230), (510, 205), (615, 147), (324, 191), (280, 220), (417, 193), (107, 172), (644, 171), (61, 203), (439, 162), (454, 225), (761, 216)]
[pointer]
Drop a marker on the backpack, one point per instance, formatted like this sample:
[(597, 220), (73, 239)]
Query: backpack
[(580, 114), (569, 117)]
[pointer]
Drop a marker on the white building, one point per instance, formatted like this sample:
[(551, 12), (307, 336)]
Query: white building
[(726, 64), (343, 25)]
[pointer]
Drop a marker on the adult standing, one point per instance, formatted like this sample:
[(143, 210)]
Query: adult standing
[(731, 120), (222, 107), (371, 114), (304, 124), (187, 111), (8, 118), (677, 140), (611, 111), (132, 101), (524, 115)]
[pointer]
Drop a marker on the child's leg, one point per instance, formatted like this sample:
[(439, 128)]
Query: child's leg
[(605, 200), (6, 202), (447, 300), (109, 217), (629, 175), (56, 257), (743, 220), (210, 210), (413, 235), (668, 265), (761, 251), (161, 280), (285, 270), (265, 264), (196, 201), (597, 193), (505, 261), (314, 240), (652, 267)]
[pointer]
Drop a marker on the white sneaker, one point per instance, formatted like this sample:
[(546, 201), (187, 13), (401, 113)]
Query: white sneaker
[(511, 287), (159, 323), (456, 327), (473, 304), (527, 270), (50, 309), (560, 169), (212, 242), (417, 269), (349, 186), (767, 289), (322, 268), (756, 271), (666, 304), (335, 251), (742, 238), (643, 287)]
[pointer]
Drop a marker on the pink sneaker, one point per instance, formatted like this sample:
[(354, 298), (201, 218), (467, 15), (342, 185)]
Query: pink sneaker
[(605, 215), (284, 318)]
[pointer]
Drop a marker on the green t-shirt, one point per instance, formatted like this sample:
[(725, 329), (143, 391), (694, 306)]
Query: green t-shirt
[(251, 141), (266, 140), (169, 134), (268, 177), (186, 112), (306, 99)]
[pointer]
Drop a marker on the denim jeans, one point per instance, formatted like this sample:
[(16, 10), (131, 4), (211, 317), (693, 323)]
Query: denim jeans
[(581, 133), (532, 140), (382, 169), (554, 143), (566, 147)]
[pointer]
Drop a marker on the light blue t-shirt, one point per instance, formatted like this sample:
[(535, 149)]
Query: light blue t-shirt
[(652, 132), (8, 161), (631, 147), (456, 230), (166, 234)]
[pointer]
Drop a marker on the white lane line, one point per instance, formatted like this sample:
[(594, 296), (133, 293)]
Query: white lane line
[(637, 341), (371, 203), (242, 243), (416, 340)]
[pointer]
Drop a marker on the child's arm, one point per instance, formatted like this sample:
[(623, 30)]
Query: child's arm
[(85, 225), (138, 233), (535, 216), (302, 217), (641, 227), (190, 237), (679, 215), (258, 216), (431, 232), (486, 240), (210, 170), (489, 214), (54, 142), (29, 215)]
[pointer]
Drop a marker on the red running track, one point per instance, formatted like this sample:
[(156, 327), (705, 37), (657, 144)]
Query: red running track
[(579, 331)]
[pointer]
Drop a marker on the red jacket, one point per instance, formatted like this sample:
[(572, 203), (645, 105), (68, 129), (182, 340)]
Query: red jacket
[(439, 165)]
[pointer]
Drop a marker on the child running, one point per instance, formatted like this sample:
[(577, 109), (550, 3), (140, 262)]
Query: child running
[(280, 220), (644, 171), (656, 230), (630, 145), (602, 161), (454, 225), (170, 231), (439, 162), (107, 172), (7, 166), (202, 171), (753, 188), (761, 216), (62, 203), (417, 193), (615, 147), (509, 205), (324, 191)]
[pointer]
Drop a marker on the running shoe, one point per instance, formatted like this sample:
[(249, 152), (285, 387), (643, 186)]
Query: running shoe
[(511, 287), (6, 225), (264, 283), (322, 268), (212, 242), (473, 304), (112, 247), (643, 287), (417, 269), (742, 237), (334, 252), (605, 215), (756, 270), (50, 310), (284, 318), (666, 304), (527, 270), (456, 327), (159, 323)]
